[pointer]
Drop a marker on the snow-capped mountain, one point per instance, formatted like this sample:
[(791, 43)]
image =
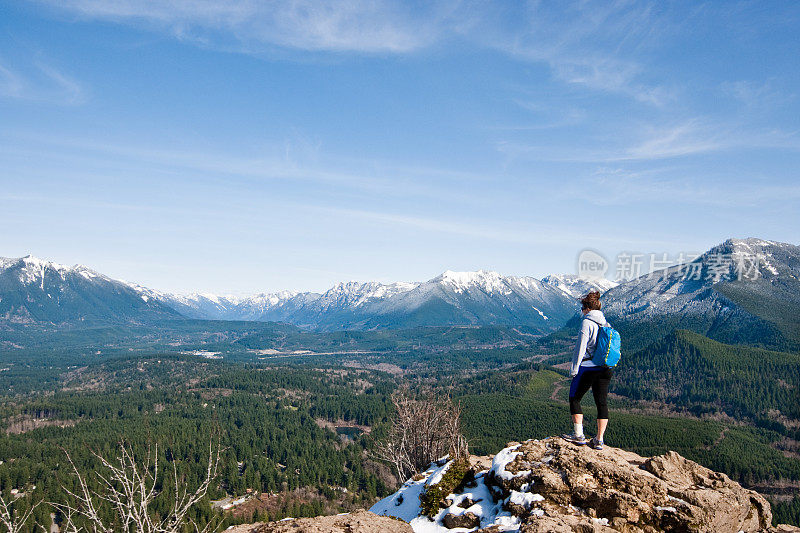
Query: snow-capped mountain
[(480, 297), (575, 286), (453, 298), (202, 306), (743, 290), (35, 291), (739, 291)]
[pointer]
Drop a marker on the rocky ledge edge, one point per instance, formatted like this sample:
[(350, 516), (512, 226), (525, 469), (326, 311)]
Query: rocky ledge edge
[(551, 485)]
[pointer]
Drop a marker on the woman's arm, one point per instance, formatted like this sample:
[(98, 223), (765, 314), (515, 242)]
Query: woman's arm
[(580, 347)]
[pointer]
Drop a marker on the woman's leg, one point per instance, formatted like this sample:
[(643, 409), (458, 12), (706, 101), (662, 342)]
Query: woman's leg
[(600, 393), (579, 387), (602, 423)]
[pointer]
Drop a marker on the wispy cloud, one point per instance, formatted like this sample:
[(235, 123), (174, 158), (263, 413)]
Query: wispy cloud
[(591, 44), (378, 26), (597, 45), (756, 95), (306, 165), (67, 87), (40, 82), (675, 187), (671, 186), (11, 84), (687, 138), (539, 234)]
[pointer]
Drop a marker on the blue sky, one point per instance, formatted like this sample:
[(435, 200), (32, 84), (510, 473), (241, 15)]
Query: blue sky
[(255, 146)]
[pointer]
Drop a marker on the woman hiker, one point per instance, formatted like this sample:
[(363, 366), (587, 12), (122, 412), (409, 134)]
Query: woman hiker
[(585, 374)]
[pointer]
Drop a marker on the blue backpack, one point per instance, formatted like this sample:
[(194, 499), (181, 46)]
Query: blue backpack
[(607, 350)]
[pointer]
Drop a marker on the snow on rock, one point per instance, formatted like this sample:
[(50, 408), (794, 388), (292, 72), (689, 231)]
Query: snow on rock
[(502, 459), (478, 499), (553, 485)]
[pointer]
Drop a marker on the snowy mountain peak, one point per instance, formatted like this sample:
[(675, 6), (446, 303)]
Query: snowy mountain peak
[(30, 261), (486, 280), (37, 291), (268, 298), (356, 293), (31, 269), (752, 258), (576, 286)]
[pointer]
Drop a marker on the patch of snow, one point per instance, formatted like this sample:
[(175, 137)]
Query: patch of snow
[(673, 498), (506, 456), (670, 509), (437, 474), (405, 505), (537, 310), (769, 267), (525, 499)]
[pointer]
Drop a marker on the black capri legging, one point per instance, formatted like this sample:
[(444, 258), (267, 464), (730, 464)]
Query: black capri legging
[(595, 378)]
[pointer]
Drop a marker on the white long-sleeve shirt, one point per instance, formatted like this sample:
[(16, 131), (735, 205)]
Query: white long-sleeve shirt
[(587, 340)]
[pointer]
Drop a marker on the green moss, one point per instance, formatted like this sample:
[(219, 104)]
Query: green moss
[(432, 499)]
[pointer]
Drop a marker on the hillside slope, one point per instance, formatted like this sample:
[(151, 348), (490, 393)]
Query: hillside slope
[(34, 292), (743, 291), (693, 372)]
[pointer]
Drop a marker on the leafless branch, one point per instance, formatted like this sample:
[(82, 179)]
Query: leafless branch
[(13, 521), (424, 429), (130, 487)]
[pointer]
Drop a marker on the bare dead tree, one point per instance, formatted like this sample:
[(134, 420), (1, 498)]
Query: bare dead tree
[(130, 487), (12, 521), (423, 430)]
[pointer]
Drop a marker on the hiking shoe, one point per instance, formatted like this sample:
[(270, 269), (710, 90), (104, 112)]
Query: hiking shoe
[(574, 439), (596, 443)]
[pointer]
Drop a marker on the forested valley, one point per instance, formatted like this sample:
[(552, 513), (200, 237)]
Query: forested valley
[(297, 431)]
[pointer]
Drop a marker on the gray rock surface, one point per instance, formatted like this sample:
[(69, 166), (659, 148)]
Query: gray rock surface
[(357, 522)]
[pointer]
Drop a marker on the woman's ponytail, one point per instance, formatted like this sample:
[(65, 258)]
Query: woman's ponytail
[(591, 301)]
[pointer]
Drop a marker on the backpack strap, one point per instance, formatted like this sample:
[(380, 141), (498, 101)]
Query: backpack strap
[(596, 322)]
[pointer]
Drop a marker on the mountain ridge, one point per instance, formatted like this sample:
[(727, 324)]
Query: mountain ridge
[(453, 298), (34, 291), (717, 294), (366, 305)]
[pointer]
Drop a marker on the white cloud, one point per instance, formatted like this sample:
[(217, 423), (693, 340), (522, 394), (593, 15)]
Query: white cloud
[(597, 45), (40, 82), (68, 88), (757, 96), (670, 186), (346, 176), (592, 44), (11, 84), (683, 139), (379, 26), (539, 234)]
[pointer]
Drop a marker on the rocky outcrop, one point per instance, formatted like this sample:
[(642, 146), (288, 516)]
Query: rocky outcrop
[(613, 489), (552, 485), (357, 522)]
